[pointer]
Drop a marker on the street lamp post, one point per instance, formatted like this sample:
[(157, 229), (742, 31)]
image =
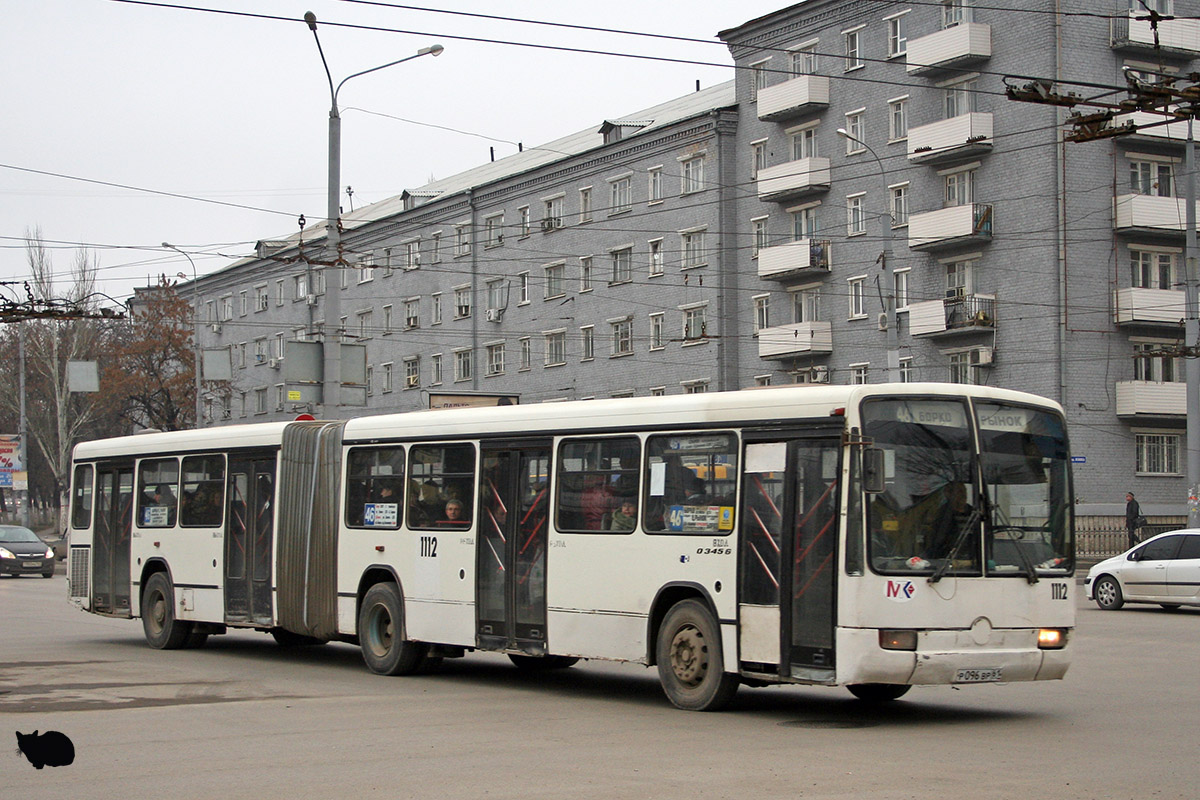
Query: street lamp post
[(195, 325), (885, 258), (332, 345)]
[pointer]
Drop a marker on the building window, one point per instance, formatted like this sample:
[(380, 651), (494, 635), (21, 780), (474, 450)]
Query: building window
[(656, 257), (522, 288), (856, 287), (656, 332), (897, 37), (658, 391), (758, 226), (804, 60), (804, 144), (622, 196), (1152, 177), (758, 78), (958, 279), (695, 325), (1152, 269), (366, 268), (906, 370), (853, 49), (900, 276), (856, 218), (622, 265), (960, 368), (496, 300), (656, 184), (1158, 453), (462, 365), (552, 216), (412, 372), (694, 387), (955, 12), (758, 158), (960, 188), (804, 223), (262, 299), (435, 369), (899, 203), (556, 348), (386, 378), (762, 312), (364, 326), (622, 337), (412, 314), (526, 352), (585, 274), (554, 281), (806, 304), (858, 373), (462, 302), (693, 175), (692, 245), (898, 119), (523, 222), (856, 127), (493, 230), (585, 204), (435, 308), (587, 338), (410, 255), (960, 99), (435, 247), (495, 359), (1149, 364), (279, 291), (260, 400)]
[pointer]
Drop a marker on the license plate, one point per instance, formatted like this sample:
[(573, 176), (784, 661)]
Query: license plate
[(984, 675), (31, 564)]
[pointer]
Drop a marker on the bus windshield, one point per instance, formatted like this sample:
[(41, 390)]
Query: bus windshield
[(1023, 453)]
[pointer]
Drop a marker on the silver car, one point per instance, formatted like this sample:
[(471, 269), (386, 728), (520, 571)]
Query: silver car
[(1164, 569)]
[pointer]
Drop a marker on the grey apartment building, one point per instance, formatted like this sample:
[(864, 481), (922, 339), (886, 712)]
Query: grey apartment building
[(732, 238)]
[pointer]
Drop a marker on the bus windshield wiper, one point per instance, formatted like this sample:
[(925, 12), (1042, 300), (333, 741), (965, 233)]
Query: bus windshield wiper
[(963, 533)]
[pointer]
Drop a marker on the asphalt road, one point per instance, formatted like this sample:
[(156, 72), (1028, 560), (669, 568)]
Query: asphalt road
[(245, 718)]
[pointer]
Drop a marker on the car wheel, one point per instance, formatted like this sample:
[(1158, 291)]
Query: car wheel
[(49, 574), (1108, 594)]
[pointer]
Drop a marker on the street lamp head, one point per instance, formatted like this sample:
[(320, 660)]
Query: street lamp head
[(434, 50), (168, 245), (844, 132), (311, 19)]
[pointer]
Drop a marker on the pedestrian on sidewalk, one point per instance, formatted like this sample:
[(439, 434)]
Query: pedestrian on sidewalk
[(1133, 518)]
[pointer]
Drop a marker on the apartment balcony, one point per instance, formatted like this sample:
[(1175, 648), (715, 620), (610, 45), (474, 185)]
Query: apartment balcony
[(1151, 399), (973, 313), (803, 94), (1173, 132), (793, 179), (1149, 306), (957, 46), (797, 339), (1150, 214), (950, 227), (1176, 37), (802, 258), (951, 139)]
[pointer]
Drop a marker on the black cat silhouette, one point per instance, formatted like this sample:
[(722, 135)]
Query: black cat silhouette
[(48, 749)]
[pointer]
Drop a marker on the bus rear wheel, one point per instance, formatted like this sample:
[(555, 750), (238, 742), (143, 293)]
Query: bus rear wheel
[(163, 631), (690, 662), (878, 692), (381, 633)]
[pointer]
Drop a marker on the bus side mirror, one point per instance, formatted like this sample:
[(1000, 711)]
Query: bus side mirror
[(873, 482)]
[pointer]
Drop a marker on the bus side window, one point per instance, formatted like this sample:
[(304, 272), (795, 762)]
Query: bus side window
[(374, 487), (158, 486), (203, 498), (690, 483), (441, 486), (597, 478), (81, 497)]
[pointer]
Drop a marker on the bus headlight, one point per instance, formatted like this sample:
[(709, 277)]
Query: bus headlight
[(1052, 639), (898, 640)]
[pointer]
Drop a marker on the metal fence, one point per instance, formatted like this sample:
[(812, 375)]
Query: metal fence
[(1105, 536)]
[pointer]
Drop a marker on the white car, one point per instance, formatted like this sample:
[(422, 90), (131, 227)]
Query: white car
[(1164, 569)]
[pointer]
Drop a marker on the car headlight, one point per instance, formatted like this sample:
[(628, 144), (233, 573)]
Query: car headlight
[(49, 552), (6, 553)]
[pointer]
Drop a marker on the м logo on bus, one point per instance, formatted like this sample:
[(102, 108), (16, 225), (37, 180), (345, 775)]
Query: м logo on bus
[(900, 591)]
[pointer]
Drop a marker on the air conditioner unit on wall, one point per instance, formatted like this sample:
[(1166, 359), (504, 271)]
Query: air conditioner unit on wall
[(275, 363), (819, 374), (983, 357), (310, 299), (495, 314)]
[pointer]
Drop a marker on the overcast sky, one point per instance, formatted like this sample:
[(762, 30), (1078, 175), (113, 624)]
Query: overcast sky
[(232, 109)]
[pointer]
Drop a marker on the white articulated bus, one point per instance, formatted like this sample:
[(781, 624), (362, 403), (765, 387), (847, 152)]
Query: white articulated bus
[(877, 536)]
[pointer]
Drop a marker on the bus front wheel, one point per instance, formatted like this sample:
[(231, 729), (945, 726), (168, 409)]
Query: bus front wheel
[(381, 633), (690, 663), (162, 630), (878, 692)]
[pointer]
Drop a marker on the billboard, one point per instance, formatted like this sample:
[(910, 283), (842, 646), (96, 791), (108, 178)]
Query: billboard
[(471, 400)]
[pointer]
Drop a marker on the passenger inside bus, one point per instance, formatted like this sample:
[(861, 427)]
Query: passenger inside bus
[(624, 519), (952, 518), (454, 515)]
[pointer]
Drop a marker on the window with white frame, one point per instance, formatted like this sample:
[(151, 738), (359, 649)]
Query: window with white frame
[(279, 292), (693, 174), (762, 380), (955, 12), (239, 355), (462, 302), (496, 299), (495, 358), (655, 181), (260, 400), (386, 378), (243, 304), (853, 40), (695, 323), (692, 246), (555, 283), (262, 298), (556, 348), (758, 157), (804, 59), (899, 202), (856, 291), (906, 369), (1152, 177), (525, 352), (657, 340), (960, 98), (622, 336), (493, 230), (366, 267), (364, 325), (898, 119), (435, 369), (897, 36), (587, 342), (552, 213), (522, 288), (1153, 269), (1150, 363), (585, 204), (462, 365), (585, 274), (523, 221), (762, 312), (856, 127), (758, 78), (856, 216), (758, 227), (410, 254), (900, 276), (225, 312), (412, 313), (384, 260), (806, 304), (658, 391), (858, 373), (621, 195), (622, 265), (694, 386), (656, 257), (958, 278), (960, 188), (260, 350), (435, 247), (804, 143), (804, 223), (960, 370), (1159, 453), (462, 240), (435, 308)]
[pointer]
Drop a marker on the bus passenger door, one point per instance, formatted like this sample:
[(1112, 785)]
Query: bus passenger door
[(249, 535), (110, 543), (514, 514), (788, 548)]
